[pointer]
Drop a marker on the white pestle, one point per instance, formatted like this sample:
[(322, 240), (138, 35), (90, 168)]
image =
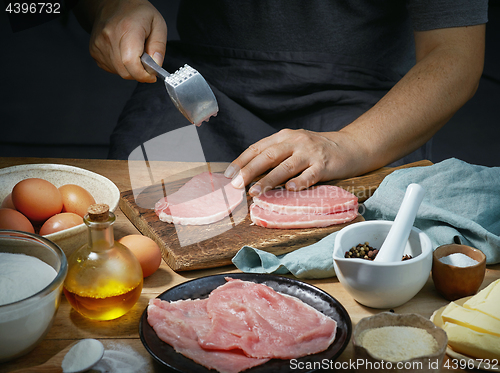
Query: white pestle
[(394, 244)]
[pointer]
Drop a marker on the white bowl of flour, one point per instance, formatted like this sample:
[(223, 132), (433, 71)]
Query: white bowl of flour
[(32, 273)]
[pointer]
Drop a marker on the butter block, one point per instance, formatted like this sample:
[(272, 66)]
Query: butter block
[(472, 343), (487, 300), (471, 319)]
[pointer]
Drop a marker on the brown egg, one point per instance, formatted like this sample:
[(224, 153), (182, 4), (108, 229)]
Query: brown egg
[(12, 219), (76, 199), (37, 199), (146, 250), (7, 202), (59, 222)]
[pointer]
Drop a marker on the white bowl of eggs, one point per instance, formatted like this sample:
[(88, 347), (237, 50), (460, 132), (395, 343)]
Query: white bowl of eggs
[(51, 200)]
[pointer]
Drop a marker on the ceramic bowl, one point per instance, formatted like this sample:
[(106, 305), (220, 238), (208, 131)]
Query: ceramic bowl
[(429, 363), (381, 285), (454, 282), (102, 189), (24, 323)]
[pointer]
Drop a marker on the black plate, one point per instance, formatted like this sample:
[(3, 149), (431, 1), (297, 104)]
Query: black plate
[(202, 287)]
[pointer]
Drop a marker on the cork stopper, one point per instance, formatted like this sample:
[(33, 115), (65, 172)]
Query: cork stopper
[(98, 212)]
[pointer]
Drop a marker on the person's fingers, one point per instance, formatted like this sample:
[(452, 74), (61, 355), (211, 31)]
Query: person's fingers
[(285, 170), (105, 49), (251, 152), (301, 157), (248, 154), (97, 52), (308, 177), (100, 60), (138, 40), (257, 159), (131, 48), (156, 42)]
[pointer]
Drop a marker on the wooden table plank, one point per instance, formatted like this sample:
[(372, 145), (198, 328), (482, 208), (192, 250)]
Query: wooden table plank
[(69, 326)]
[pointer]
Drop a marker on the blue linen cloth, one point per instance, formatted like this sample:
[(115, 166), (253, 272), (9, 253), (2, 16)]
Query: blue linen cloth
[(461, 203)]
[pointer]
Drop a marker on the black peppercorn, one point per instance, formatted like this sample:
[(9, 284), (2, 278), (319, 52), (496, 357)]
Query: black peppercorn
[(365, 251)]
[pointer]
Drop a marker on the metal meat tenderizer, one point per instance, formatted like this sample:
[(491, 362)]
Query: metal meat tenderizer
[(188, 90)]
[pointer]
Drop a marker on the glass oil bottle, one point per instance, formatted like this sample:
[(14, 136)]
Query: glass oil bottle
[(104, 278)]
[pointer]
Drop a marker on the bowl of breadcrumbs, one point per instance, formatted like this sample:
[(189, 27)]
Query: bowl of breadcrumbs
[(399, 343)]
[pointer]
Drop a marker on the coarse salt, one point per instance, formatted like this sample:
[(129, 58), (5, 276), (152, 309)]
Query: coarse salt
[(458, 260)]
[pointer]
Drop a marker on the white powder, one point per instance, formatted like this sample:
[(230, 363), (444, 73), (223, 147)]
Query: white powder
[(21, 276), (398, 343), (458, 260), (82, 356), (120, 358)]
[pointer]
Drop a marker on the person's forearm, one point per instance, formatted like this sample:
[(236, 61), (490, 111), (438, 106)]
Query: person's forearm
[(444, 78)]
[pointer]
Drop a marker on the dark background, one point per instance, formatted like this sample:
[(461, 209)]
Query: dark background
[(56, 102)]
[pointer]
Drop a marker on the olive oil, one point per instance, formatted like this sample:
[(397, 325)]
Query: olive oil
[(104, 279), (104, 308)]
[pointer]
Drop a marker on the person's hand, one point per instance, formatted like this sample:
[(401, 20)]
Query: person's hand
[(298, 157), (122, 30)]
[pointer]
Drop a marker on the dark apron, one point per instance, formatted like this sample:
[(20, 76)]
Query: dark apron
[(259, 93)]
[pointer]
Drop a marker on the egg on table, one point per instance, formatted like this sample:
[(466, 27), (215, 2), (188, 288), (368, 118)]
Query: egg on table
[(146, 250)]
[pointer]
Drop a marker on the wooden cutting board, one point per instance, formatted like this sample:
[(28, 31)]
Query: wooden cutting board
[(196, 247)]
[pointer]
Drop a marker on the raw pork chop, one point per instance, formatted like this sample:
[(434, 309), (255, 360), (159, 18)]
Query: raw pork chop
[(178, 324), (205, 199), (271, 219), (263, 323), (322, 199)]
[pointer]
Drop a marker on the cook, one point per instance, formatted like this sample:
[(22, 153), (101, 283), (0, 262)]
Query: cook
[(311, 91)]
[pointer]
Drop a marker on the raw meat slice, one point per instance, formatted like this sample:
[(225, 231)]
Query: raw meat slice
[(205, 199), (264, 323), (322, 199), (272, 219), (178, 324)]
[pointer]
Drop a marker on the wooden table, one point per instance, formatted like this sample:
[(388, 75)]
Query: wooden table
[(69, 326)]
